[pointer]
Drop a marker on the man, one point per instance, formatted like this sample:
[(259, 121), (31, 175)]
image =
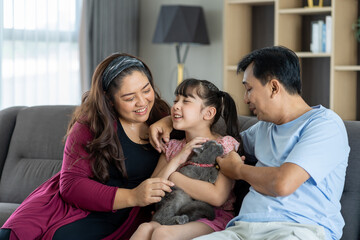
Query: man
[(302, 155)]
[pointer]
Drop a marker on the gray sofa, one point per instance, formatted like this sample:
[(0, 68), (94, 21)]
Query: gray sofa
[(31, 148)]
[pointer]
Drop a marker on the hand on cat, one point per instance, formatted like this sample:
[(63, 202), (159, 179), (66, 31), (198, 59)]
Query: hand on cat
[(230, 164), (184, 154), (150, 191)]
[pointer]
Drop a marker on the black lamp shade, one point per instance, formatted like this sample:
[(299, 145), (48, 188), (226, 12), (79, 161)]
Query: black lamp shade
[(181, 24)]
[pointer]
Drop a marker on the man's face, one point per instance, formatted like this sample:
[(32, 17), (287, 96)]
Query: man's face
[(257, 96)]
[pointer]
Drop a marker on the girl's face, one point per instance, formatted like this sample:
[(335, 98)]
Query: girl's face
[(135, 98), (188, 112)]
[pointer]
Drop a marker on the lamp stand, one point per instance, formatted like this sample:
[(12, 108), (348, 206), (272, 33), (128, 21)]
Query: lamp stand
[(180, 62), (180, 73)]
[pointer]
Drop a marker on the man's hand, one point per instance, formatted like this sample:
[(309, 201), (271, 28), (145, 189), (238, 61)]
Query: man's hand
[(160, 133), (230, 164), (272, 181)]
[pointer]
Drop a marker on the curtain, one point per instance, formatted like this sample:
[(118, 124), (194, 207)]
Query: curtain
[(106, 27), (39, 52)]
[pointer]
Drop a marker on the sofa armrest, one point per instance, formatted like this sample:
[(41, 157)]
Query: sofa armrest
[(7, 125)]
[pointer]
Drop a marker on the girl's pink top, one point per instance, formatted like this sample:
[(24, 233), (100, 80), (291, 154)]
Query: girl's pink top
[(228, 143)]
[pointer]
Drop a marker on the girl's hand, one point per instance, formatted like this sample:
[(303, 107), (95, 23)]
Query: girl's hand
[(184, 154), (150, 191)]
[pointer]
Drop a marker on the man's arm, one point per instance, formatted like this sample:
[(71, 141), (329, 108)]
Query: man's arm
[(272, 181)]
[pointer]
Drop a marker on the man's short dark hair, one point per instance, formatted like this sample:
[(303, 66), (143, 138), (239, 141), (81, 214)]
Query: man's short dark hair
[(276, 62)]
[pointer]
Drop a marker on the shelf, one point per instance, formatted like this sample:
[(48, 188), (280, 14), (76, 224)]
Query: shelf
[(306, 11), (355, 68), (328, 78), (251, 2), (312, 55)]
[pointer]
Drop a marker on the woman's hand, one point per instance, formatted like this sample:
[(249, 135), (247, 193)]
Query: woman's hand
[(150, 191), (160, 133), (185, 152)]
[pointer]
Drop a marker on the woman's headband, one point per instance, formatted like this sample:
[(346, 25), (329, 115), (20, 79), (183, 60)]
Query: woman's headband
[(116, 66)]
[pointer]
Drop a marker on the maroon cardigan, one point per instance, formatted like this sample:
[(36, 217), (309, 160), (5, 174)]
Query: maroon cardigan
[(68, 196)]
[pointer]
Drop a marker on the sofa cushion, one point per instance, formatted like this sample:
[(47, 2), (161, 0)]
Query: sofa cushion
[(35, 151), (6, 209)]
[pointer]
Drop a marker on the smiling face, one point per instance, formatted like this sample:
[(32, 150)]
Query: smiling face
[(187, 113), (135, 98), (257, 96)]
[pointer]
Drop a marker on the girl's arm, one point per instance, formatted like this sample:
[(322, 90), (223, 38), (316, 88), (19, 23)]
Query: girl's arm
[(215, 194), (164, 168)]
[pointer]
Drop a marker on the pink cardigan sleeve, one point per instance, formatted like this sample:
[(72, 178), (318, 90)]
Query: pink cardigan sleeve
[(76, 185)]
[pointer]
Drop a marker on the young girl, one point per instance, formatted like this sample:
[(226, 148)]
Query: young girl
[(197, 107)]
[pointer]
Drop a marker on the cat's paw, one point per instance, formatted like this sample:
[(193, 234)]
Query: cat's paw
[(182, 219), (212, 179)]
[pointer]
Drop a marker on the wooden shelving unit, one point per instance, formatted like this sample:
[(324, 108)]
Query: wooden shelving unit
[(306, 11), (329, 79)]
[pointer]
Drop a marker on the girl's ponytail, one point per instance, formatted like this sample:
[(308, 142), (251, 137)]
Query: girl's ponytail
[(230, 115)]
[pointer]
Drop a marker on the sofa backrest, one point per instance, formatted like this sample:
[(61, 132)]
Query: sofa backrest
[(350, 200), (35, 150), (7, 125)]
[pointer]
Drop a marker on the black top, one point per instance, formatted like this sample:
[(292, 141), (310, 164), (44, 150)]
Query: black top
[(140, 162)]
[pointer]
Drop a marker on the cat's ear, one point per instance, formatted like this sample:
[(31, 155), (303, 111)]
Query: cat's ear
[(209, 112)]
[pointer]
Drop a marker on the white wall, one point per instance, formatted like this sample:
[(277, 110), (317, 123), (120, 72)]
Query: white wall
[(203, 61)]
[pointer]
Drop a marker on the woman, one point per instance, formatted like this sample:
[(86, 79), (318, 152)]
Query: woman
[(106, 165)]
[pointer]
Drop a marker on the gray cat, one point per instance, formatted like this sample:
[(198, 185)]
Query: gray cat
[(177, 207)]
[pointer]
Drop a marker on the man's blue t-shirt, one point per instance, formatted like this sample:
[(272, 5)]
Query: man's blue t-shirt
[(316, 141)]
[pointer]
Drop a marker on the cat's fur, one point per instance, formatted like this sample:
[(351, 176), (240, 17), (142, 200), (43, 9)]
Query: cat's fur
[(177, 207)]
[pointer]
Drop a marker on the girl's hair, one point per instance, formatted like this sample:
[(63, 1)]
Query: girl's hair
[(212, 96), (97, 111)]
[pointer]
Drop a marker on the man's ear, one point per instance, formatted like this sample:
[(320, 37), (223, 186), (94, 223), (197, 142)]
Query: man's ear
[(209, 113), (274, 85)]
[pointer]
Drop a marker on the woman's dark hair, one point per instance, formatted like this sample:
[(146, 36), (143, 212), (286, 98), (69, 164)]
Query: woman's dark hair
[(276, 62), (97, 111), (212, 96)]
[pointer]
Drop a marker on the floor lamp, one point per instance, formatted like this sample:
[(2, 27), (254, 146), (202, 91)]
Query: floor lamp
[(182, 25)]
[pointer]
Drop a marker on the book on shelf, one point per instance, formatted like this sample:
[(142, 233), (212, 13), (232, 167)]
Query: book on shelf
[(328, 24), (315, 38), (321, 36)]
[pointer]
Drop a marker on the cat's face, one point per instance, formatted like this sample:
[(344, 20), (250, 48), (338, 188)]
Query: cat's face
[(208, 152)]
